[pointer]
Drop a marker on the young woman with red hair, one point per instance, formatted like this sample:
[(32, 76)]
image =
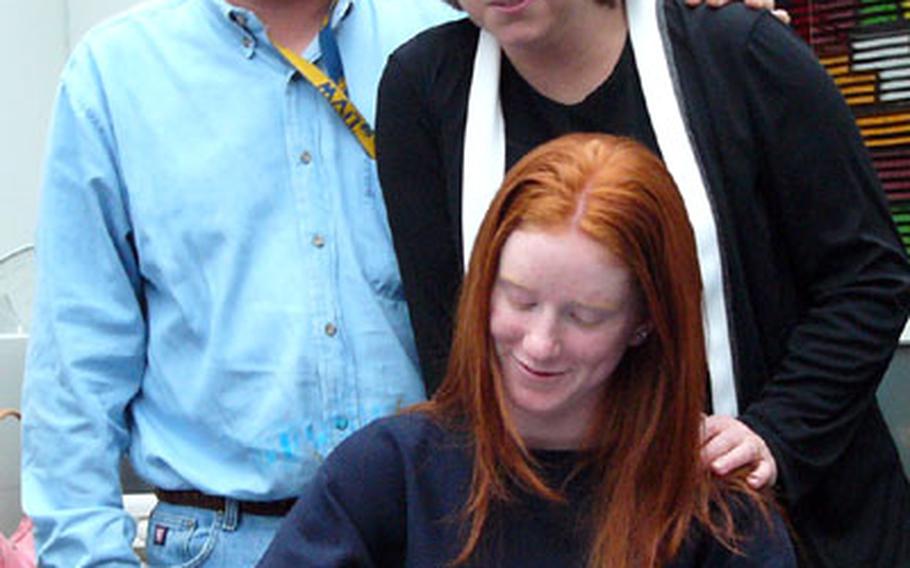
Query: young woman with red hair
[(566, 431)]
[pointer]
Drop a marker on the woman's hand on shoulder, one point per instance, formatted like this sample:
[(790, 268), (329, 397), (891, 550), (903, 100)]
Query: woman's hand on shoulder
[(779, 13), (728, 444)]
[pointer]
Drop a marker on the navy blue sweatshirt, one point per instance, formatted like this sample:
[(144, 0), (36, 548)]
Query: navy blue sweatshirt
[(392, 494)]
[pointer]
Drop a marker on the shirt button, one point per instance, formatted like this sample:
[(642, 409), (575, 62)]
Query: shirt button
[(247, 42), (240, 19), (306, 158), (341, 423), (330, 329), (318, 241)]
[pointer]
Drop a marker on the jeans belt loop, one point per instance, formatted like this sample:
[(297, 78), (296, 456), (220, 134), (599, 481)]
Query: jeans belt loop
[(230, 518)]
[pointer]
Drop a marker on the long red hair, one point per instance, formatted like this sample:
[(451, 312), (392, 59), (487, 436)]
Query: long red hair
[(645, 438)]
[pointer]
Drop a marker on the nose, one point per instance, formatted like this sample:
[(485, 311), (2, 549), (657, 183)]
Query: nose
[(541, 341)]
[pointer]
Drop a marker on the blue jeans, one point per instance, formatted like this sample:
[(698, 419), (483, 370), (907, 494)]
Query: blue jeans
[(187, 537)]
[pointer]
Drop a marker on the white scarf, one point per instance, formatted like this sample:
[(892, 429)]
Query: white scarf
[(484, 168)]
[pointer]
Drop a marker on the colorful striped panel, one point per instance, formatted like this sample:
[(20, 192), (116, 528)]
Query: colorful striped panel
[(865, 47)]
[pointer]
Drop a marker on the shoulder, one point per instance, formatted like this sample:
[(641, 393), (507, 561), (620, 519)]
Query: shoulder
[(734, 31), (389, 444), (448, 47), (137, 25), (111, 49), (386, 24), (358, 509), (390, 458), (414, 15), (433, 70), (731, 24), (745, 63), (405, 430), (448, 37), (764, 541)]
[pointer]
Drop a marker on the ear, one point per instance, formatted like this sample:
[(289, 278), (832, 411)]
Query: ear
[(641, 334)]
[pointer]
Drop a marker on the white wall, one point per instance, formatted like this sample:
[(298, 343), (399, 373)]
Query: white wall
[(43, 33), (30, 75)]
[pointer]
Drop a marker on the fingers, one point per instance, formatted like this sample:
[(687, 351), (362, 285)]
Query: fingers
[(724, 445), (760, 4), (778, 13), (736, 453), (782, 15), (717, 3), (711, 426), (728, 444), (764, 474)]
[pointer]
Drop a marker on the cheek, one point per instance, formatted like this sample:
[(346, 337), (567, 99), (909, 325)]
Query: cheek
[(505, 328), (472, 8), (602, 355)]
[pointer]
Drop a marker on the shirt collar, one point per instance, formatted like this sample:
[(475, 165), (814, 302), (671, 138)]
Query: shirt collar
[(247, 19)]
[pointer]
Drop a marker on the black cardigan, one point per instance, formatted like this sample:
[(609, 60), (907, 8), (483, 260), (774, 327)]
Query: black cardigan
[(392, 495), (820, 285)]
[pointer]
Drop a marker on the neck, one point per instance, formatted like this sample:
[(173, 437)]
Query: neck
[(551, 442), (291, 23), (566, 430), (571, 66)]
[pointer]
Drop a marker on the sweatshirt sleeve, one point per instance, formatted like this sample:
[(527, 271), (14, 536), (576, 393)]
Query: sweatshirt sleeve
[(352, 513)]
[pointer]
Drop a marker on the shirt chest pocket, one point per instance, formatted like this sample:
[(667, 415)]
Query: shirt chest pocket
[(367, 229)]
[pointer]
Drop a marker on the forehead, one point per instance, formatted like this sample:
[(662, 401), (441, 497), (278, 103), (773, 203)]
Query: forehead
[(564, 259)]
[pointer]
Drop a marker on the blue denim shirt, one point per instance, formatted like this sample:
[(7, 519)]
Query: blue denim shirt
[(218, 294)]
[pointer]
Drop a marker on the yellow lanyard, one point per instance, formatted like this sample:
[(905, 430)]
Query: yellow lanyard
[(334, 88)]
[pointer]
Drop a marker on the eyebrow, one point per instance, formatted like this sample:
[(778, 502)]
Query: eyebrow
[(511, 284)]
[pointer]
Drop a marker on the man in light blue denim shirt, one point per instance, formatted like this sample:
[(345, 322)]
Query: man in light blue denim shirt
[(218, 294)]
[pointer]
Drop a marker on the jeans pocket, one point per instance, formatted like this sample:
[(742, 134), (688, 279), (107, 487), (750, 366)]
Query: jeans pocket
[(180, 537)]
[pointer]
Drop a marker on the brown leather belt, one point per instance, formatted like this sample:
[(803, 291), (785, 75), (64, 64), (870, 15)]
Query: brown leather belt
[(192, 498)]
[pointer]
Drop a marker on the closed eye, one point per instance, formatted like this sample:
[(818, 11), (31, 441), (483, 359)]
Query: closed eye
[(522, 305), (518, 297), (588, 317)]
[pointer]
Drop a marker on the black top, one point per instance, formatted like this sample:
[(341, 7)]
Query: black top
[(818, 281), (616, 106), (391, 496)]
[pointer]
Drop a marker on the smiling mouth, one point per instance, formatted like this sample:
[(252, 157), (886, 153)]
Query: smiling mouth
[(537, 373), (508, 4)]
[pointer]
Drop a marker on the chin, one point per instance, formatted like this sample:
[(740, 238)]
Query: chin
[(519, 36), (536, 407)]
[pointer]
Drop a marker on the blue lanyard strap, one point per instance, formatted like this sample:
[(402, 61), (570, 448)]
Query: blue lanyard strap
[(331, 56), (332, 84)]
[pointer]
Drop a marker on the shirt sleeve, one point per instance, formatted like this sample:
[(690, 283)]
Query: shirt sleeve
[(412, 176), (351, 514), (846, 260), (87, 346)]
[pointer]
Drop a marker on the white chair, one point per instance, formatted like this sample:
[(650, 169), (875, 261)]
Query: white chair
[(16, 291)]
